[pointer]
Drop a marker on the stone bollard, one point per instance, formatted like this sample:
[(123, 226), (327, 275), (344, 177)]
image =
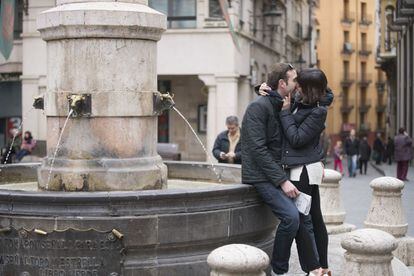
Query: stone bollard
[(238, 260), (368, 252), (387, 214), (331, 204)]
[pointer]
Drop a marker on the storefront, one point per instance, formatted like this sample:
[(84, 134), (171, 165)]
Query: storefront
[(10, 109)]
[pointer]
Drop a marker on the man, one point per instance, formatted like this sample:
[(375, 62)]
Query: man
[(352, 150), (364, 155), (378, 149), (227, 148), (402, 153), (262, 139)]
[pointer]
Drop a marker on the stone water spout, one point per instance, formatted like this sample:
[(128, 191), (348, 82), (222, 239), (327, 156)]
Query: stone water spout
[(162, 102), (39, 102)]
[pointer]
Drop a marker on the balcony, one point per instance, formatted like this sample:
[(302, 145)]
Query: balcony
[(347, 80), (348, 17), (365, 20), (380, 85), (365, 50), (364, 127), (404, 12), (348, 48), (381, 108), (346, 108), (365, 80), (364, 106)]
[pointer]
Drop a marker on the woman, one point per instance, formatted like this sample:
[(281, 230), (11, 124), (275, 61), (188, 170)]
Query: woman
[(303, 122), (27, 146), (338, 156)]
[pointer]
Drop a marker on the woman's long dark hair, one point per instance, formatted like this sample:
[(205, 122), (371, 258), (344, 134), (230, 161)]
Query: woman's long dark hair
[(28, 139), (313, 83)]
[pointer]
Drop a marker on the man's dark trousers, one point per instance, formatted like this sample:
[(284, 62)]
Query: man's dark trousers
[(291, 225)]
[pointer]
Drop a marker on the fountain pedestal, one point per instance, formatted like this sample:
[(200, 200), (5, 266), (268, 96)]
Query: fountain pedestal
[(106, 51)]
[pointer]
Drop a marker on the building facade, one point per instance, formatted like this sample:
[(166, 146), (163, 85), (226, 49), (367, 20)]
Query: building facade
[(209, 63), (10, 82), (403, 25), (346, 47)]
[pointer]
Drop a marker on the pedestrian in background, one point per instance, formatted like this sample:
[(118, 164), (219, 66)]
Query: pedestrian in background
[(338, 156), (378, 149), (28, 144), (325, 142), (227, 147), (389, 151), (352, 151), (364, 155), (402, 153)]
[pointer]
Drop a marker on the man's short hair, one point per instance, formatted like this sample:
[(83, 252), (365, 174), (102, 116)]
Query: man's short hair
[(278, 72), (401, 130), (232, 120)]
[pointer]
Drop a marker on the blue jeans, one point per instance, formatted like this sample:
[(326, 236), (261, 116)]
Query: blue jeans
[(352, 164), (22, 153), (292, 225)]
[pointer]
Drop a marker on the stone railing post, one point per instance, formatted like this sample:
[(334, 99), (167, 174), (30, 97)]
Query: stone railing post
[(368, 252), (331, 204), (387, 214), (238, 259)]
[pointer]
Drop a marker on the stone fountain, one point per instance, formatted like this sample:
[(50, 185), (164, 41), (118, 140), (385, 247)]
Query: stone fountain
[(101, 206)]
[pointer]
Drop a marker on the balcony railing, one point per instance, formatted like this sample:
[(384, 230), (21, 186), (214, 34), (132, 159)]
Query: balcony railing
[(365, 50), (365, 20), (348, 48), (365, 80), (348, 17), (381, 108), (364, 127), (348, 79), (364, 106), (380, 86), (346, 108)]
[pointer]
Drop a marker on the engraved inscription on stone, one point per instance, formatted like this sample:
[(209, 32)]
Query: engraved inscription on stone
[(66, 253)]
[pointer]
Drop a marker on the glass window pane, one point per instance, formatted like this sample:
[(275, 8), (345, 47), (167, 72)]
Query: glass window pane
[(183, 8), (214, 9), (159, 5)]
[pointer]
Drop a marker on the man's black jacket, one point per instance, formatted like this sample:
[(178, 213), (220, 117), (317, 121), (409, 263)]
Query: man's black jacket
[(222, 144), (262, 141)]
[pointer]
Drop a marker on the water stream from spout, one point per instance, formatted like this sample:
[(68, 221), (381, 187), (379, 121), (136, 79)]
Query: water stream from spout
[(201, 143), (57, 149), (17, 133)]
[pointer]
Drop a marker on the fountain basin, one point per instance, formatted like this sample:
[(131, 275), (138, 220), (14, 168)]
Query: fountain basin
[(165, 232)]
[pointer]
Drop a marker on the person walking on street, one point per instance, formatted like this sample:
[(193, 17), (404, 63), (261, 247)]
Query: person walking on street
[(389, 151), (364, 155), (402, 153), (227, 147), (378, 149), (352, 151), (338, 156)]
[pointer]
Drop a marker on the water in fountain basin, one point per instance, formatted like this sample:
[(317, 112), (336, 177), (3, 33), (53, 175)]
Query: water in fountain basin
[(16, 133), (57, 149), (201, 143)]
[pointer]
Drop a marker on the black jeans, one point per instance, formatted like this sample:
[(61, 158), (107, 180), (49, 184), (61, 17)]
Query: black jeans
[(363, 164), (292, 225), (319, 228)]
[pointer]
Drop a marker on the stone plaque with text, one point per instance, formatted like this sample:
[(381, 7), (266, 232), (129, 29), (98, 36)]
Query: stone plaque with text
[(65, 253)]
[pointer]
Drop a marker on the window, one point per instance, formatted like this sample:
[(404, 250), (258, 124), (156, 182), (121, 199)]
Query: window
[(180, 13), (214, 9), (363, 10), (346, 36)]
